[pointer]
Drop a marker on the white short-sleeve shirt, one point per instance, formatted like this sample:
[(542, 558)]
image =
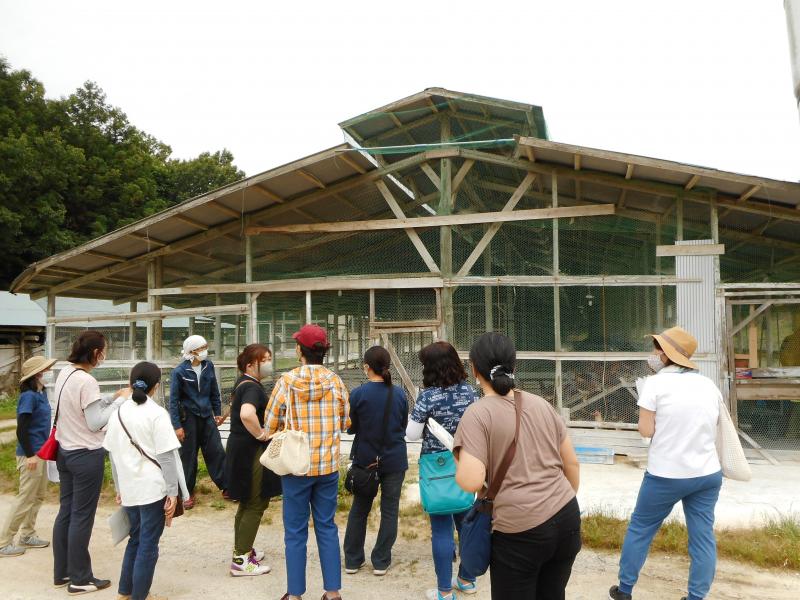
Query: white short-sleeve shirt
[(687, 410), (140, 482)]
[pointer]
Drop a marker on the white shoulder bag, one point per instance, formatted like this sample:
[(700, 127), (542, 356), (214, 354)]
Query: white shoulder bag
[(288, 453), (731, 454)]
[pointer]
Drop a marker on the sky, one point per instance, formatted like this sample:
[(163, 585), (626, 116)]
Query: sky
[(704, 82)]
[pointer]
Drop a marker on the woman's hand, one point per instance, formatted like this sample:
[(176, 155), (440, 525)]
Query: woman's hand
[(219, 420), (123, 392), (119, 499), (169, 509), (180, 434), (31, 462)]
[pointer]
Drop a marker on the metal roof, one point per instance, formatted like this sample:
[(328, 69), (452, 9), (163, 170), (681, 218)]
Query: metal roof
[(18, 310)]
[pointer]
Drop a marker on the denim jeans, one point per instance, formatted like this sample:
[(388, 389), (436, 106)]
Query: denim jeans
[(391, 487), (141, 553), (81, 475), (537, 563), (317, 496), (657, 496), (444, 549)]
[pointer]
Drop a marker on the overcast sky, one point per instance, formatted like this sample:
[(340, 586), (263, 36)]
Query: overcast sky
[(705, 82)]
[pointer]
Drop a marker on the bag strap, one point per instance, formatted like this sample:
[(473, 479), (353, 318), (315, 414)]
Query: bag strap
[(133, 442), (500, 475), (61, 391)]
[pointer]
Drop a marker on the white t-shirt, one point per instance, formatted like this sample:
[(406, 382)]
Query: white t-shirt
[(197, 369), (73, 393), (687, 410), (140, 481)]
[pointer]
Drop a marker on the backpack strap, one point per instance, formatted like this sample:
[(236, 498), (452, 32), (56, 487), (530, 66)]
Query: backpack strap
[(133, 442)]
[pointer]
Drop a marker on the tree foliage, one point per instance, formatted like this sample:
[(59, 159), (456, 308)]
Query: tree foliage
[(74, 168)]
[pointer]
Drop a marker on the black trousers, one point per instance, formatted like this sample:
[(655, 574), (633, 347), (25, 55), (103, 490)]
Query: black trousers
[(81, 474), (536, 564), (201, 433), (391, 487)]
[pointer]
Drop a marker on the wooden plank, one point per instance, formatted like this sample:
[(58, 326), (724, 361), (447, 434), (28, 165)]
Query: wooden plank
[(693, 250), (268, 193), (398, 365), (692, 182), (570, 280), (224, 209), (750, 317), (351, 163), (311, 178), (495, 227), (766, 391), (461, 174), (432, 175), (192, 222), (758, 447), (228, 309), (439, 221), (411, 233), (754, 189), (629, 171), (387, 282)]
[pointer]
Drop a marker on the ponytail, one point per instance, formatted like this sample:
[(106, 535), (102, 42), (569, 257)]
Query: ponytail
[(145, 376), (494, 357), (377, 358)]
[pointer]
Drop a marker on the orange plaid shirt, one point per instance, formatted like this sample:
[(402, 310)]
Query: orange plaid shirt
[(320, 407)]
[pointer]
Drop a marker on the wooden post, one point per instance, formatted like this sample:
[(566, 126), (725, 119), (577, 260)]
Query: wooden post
[(132, 329), (487, 292), (660, 288), (679, 218), (154, 328), (219, 343), (21, 350), (446, 233), (308, 306), (372, 336), (558, 385), (251, 298), (273, 334), (752, 341), (336, 337), (191, 325), (50, 329), (731, 352)]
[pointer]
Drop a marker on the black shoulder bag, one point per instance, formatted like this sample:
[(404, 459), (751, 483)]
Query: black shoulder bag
[(363, 481), (179, 503)]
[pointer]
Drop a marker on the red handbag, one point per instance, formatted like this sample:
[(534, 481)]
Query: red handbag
[(49, 450)]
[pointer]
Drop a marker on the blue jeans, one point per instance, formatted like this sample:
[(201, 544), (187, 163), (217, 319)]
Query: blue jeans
[(656, 498), (444, 549), (317, 496), (141, 553)]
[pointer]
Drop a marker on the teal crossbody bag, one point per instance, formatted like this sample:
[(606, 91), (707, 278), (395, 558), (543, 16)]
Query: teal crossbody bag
[(438, 489)]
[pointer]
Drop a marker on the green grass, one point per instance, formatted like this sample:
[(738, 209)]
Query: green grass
[(8, 407), (773, 545)]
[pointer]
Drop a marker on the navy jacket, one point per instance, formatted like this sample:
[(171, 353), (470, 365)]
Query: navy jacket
[(367, 402), (202, 400)]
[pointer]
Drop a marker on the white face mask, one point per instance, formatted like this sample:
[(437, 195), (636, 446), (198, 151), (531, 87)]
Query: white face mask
[(100, 360), (265, 368), (202, 355), (654, 362)]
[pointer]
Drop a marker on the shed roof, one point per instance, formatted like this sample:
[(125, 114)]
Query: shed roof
[(18, 310)]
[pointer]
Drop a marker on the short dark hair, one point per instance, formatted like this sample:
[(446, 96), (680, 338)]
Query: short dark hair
[(150, 374), (441, 366), (250, 354), (84, 346), (30, 384), (493, 350), (315, 355)]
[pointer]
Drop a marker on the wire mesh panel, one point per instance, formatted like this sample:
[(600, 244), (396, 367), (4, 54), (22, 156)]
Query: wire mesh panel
[(405, 305)]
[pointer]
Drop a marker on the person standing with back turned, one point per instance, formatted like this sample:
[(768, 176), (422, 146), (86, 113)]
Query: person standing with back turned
[(195, 409)]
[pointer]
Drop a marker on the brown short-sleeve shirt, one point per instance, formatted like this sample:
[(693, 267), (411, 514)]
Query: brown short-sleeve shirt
[(535, 487)]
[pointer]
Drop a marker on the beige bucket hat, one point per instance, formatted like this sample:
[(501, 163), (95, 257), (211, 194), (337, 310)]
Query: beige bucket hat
[(678, 344), (34, 365)]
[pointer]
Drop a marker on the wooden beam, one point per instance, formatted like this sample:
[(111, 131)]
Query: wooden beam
[(698, 250), (439, 221), (351, 163), (495, 227), (412, 234), (461, 174), (397, 281), (106, 256), (577, 162), (224, 209), (748, 193), (192, 222), (312, 178), (753, 314), (629, 171), (146, 238), (229, 309), (268, 193), (692, 182), (530, 154), (432, 175), (569, 280)]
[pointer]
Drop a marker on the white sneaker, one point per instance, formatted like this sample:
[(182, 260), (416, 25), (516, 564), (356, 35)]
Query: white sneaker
[(437, 595), (245, 565), (353, 571), (33, 541), (380, 572), (257, 554), (11, 550)]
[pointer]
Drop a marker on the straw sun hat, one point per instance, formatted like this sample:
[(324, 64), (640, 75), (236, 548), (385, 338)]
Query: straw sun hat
[(678, 344), (34, 365)]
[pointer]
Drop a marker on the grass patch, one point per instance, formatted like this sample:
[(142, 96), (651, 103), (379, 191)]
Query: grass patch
[(8, 407), (773, 545)]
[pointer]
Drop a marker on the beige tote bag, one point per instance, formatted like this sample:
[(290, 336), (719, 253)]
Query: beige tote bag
[(288, 453), (729, 448)]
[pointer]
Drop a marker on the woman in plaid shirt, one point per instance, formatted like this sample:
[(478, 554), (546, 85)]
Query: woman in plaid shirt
[(319, 402)]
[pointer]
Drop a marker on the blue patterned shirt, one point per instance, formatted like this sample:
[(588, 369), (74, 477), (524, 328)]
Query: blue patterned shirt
[(446, 406)]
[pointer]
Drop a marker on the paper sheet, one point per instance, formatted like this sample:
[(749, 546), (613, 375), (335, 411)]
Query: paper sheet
[(440, 433), (120, 525)]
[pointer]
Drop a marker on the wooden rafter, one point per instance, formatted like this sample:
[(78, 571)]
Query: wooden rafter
[(432, 175), (192, 222), (351, 163), (312, 178), (692, 182), (224, 209), (629, 171), (754, 189), (461, 174), (267, 193)]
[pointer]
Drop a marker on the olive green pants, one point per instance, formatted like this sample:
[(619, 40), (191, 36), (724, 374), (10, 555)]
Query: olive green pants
[(25, 507), (248, 517)]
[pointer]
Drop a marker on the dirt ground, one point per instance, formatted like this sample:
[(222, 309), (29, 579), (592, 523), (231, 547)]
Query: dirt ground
[(195, 553)]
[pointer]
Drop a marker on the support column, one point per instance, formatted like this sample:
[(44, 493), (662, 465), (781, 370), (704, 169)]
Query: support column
[(154, 326), (219, 343), (446, 233), (488, 307), (679, 218), (373, 338), (308, 306), (134, 306), (660, 288), (50, 330), (558, 385), (252, 298)]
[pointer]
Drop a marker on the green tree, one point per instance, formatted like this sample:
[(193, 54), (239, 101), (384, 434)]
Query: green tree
[(74, 168)]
